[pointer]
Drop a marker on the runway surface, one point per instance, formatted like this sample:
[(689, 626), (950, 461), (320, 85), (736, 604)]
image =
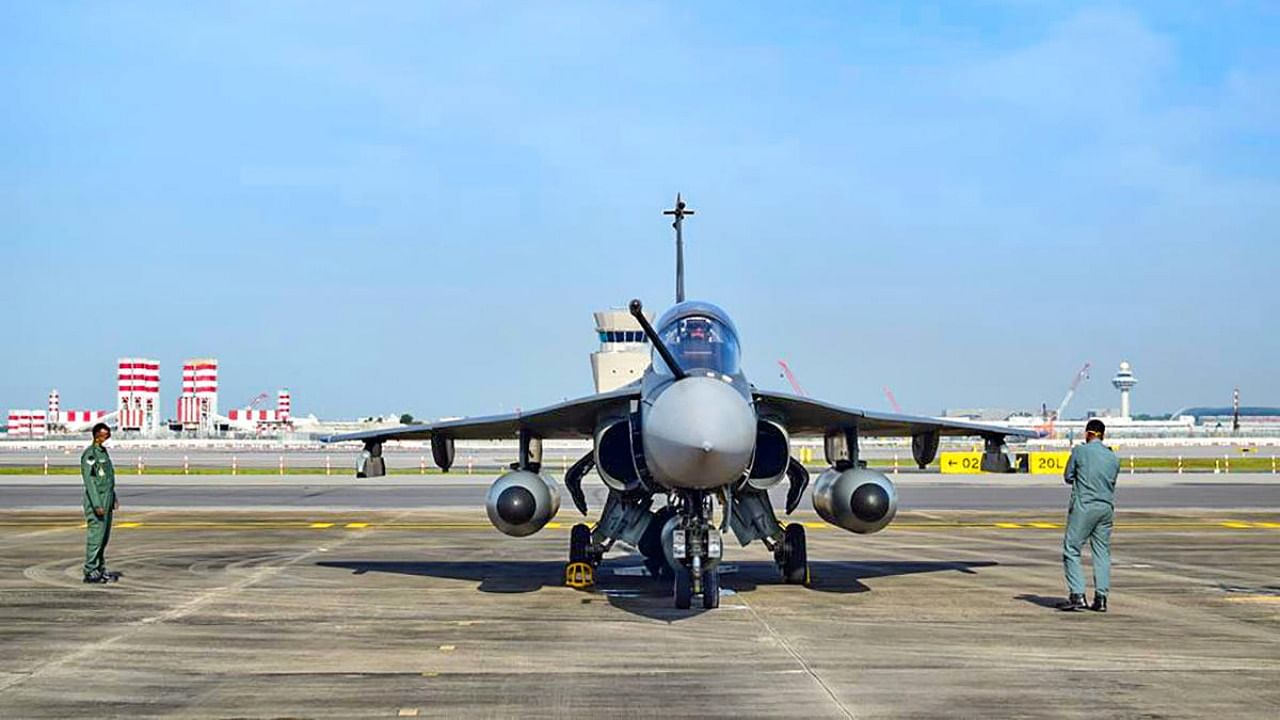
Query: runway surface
[(433, 613)]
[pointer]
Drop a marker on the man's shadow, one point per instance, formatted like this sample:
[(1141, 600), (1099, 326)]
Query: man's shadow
[(627, 585), (1043, 601)]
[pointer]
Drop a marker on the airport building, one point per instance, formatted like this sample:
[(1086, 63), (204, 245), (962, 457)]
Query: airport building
[(138, 408), (138, 395), (624, 350)]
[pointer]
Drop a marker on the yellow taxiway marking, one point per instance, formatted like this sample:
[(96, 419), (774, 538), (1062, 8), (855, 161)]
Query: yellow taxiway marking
[(128, 524), (1255, 599), (1269, 525), (448, 648), (814, 525), (320, 525), (356, 525), (1235, 525), (1045, 525), (1008, 526), (553, 525)]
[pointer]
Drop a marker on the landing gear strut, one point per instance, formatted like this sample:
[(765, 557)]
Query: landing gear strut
[(792, 555), (696, 547)]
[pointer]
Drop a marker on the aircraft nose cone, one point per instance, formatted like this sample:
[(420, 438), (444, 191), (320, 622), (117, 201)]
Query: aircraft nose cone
[(699, 434)]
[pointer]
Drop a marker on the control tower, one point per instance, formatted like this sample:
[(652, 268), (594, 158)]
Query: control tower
[(624, 350), (1124, 382)]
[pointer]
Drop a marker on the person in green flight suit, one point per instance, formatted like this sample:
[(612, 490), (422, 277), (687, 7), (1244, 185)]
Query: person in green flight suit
[(1091, 472), (99, 503)]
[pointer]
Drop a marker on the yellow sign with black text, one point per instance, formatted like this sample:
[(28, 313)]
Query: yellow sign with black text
[(962, 463), (1048, 463)]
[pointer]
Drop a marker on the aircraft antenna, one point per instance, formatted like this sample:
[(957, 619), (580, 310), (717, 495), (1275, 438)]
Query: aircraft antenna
[(679, 211)]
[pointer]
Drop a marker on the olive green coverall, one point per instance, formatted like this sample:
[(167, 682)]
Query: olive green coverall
[(99, 491), (1091, 472)]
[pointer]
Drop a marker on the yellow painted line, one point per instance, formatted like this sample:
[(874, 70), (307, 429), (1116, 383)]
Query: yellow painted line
[(430, 674), (1266, 599), (448, 648), (816, 525), (1268, 525), (1044, 525), (356, 525), (1008, 526), (407, 712), (553, 525), (320, 525), (128, 524), (1237, 525)]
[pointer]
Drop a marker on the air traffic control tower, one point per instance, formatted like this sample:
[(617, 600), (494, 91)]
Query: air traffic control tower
[(1124, 382), (624, 350)]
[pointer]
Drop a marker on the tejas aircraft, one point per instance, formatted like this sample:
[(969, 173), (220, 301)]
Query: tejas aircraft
[(694, 431)]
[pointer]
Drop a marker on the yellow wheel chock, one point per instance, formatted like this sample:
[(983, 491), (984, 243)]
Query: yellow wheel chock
[(579, 575)]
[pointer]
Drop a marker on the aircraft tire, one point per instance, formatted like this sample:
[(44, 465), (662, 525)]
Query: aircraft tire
[(711, 589), (794, 561), (683, 589), (580, 544)]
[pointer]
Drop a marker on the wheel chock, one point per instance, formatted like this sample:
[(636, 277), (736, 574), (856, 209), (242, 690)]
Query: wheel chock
[(579, 575)]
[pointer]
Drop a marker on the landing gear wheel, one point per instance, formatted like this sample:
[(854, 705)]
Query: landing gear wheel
[(684, 589), (580, 544), (711, 589), (580, 573), (655, 556), (793, 556)]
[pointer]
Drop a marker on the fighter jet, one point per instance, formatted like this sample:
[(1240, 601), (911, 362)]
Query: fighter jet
[(694, 432)]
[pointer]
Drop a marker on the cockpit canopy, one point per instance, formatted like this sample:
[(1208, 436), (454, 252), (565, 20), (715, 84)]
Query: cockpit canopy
[(701, 337)]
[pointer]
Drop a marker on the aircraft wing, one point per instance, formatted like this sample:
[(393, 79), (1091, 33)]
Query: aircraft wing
[(569, 419), (805, 416)]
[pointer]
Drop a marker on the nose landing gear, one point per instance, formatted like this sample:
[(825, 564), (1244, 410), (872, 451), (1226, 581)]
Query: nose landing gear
[(696, 547)]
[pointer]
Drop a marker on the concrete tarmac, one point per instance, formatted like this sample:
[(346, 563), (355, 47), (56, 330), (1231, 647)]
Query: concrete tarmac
[(418, 613)]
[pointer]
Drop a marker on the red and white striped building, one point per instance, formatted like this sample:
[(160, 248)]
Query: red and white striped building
[(28, 423), (71, 420), (262, 420), (138, 395), (198, 405)]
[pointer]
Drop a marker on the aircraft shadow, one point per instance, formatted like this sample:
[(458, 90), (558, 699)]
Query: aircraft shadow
[(627, 586)]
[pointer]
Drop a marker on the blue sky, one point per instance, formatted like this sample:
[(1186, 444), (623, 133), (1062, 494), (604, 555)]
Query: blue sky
[(416, 206)]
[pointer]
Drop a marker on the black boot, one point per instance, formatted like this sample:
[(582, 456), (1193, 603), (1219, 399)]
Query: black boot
[(96, 578), (112, 575), (1099, 603), (1074, 602)]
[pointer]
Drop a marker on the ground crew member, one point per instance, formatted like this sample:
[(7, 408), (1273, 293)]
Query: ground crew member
[(99, 504), (1091, 473)]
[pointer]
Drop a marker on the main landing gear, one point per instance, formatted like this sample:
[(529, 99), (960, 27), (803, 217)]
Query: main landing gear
[(792, 555), (580, 572)]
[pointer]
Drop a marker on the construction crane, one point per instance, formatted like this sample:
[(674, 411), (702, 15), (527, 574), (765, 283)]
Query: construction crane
[(892, 400), (253, 404), (1080, 377), (791, 378)]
